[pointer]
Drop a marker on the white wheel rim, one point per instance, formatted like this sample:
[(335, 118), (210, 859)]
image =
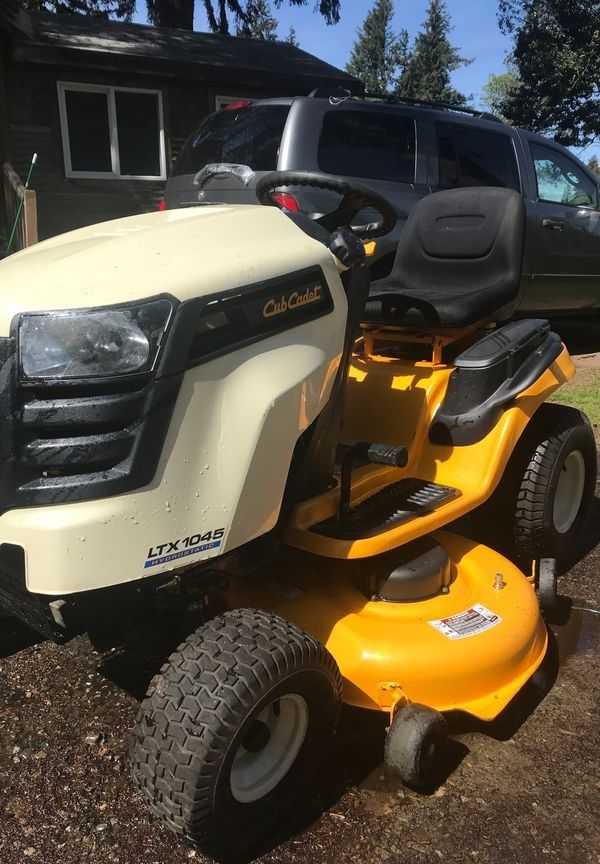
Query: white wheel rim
[(274, 740), (569, 491)]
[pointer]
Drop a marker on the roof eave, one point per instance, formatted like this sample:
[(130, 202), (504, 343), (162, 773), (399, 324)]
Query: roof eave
[(32, 52)]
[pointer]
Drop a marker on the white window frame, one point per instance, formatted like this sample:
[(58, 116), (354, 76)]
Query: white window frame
[(109, 90), (222, 101)]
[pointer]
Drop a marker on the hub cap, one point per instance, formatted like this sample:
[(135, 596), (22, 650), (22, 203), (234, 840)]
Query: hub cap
[(569, 491), (269, 748)]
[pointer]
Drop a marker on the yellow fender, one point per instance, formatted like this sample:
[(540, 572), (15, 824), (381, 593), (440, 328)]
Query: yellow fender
[(393, 401)]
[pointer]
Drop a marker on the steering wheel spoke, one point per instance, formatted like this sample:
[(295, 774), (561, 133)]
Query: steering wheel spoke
[(341, 217)]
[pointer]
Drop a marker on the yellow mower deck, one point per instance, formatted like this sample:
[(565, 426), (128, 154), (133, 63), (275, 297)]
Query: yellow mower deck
[(393, 401), (391, 652), (470, 649)]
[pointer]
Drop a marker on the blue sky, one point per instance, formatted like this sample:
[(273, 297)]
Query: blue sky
[(475, 32)]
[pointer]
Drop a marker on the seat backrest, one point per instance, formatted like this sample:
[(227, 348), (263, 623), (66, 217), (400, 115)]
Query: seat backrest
[(464, 240)]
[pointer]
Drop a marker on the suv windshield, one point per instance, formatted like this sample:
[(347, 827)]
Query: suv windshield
[(377, 145), (246, 136)]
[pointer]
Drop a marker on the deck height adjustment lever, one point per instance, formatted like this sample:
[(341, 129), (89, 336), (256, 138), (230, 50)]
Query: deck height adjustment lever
[(378, 454)]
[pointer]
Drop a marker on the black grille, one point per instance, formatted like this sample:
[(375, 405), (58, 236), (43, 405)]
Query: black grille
[(79, 442)]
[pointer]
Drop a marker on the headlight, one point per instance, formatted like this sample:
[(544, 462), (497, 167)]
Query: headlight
[(92, 343)]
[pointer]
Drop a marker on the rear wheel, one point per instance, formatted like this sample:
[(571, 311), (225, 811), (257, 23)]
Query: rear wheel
[(543, 502), (234, 728)]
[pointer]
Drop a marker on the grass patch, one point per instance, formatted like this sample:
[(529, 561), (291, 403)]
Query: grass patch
[(585, 396)]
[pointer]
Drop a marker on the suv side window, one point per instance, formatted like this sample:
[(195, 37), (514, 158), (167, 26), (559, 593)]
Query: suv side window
[(376, 145), (560, 180), (475, 157)]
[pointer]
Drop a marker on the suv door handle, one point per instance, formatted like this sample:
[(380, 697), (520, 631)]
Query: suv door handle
[(553, 224)]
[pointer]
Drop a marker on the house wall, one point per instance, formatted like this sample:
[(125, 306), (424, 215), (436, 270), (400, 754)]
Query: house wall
[(4, 139), (34, 126), (4, 49)]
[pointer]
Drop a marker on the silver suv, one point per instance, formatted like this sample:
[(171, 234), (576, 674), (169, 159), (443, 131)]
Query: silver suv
[(405, 151)]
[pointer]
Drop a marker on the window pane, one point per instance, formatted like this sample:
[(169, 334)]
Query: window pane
[(374, 145), (475, 157), (246, 136), (560, 180), (138, 130), (89, 136)]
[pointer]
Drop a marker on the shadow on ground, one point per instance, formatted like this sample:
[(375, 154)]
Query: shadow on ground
[(15, 637), (591, 538)]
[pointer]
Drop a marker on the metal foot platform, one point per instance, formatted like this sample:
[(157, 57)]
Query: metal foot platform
[(399, 502)]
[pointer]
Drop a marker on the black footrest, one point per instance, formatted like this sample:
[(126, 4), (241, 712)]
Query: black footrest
[(397, 503)]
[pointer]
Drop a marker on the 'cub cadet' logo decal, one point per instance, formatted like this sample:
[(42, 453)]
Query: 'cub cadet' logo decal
[(294, 301)]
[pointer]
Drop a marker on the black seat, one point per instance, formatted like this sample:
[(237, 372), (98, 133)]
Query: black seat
[(458, 262)]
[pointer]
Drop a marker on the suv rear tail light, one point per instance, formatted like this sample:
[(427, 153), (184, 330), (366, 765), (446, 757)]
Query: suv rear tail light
[(235, 106), (162, 205), (286, 200)]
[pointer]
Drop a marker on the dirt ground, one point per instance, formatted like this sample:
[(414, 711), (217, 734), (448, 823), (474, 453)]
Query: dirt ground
[(525, 788)]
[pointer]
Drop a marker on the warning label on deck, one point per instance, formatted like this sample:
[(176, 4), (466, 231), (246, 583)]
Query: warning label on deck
[(468, 623)]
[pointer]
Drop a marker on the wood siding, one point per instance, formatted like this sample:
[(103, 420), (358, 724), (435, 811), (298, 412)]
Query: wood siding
[(34, 127), (4, 137)]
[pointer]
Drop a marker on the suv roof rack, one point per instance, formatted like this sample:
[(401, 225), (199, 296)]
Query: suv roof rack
[(339, 92), (431, 103)]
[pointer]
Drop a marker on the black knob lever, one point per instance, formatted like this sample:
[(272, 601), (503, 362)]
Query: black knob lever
[(384, 454), (378, 454)]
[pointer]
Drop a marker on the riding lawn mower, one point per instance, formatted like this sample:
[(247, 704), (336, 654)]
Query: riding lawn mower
[(211, 414)]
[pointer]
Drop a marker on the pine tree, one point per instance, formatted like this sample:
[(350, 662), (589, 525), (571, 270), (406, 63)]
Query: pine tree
[(378, 53), (292, 38), (432, 60), (123, 9), (259, 23)]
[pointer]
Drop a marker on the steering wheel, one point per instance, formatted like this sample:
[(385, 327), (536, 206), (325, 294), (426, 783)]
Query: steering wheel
[(355, 197)]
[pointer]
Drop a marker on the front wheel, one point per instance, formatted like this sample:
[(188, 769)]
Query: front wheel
[(234, 728), (414, 744)]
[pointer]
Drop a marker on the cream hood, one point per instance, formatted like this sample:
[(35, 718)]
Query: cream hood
[(186, 253)]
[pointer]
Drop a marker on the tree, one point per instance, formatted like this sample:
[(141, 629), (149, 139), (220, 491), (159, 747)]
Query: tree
[(511, 14), (556, 55), (594, 165), (432, 59), (497, 90), (99, 8), (180, 13), (292, 38), (259, 23), (378, 53), (171, 13)]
